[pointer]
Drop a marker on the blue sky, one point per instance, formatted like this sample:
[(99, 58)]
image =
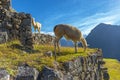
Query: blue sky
[(83, 14)]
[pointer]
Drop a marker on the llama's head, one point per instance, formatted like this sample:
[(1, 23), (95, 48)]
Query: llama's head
[(84, 43), (33, 19)]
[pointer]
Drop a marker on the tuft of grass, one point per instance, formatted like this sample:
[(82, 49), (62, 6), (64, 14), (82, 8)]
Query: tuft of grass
[(113, 66), (12, 54)]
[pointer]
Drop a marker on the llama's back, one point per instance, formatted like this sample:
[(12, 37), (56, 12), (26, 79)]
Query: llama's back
[(72, 33), (38, 24), (68, 31)]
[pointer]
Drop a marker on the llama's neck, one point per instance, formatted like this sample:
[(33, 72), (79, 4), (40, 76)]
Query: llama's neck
[(33, 22), (84, 42)]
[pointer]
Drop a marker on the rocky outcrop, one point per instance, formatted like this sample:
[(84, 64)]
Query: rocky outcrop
[(16, 25)]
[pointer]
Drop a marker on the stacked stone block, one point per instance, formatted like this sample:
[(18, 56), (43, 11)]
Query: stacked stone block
[(82, 68), (16, 25), (43, 39), (5, 4)]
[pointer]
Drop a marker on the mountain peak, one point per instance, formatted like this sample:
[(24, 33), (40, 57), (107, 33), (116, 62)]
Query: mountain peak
[(109, 25), (107, 37)]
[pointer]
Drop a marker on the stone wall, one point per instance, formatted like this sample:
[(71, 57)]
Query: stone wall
[(5, 4), (16, 25), (81, 68), (43, 39)]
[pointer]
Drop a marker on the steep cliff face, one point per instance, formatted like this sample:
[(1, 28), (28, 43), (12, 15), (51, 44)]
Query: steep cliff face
[(107, 38)]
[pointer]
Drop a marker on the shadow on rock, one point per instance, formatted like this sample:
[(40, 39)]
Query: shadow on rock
[(20, 47)]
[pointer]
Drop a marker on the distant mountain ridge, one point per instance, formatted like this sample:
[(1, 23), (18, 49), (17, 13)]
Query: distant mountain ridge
[(69, 43), (106, 37), (66, 43)]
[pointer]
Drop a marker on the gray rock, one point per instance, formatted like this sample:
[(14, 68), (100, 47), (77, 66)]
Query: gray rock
[(106, 76), (68, 66), (22, 15), (8, 25), (26, 22), (27, 73), (68, 77), (4, 75), (50, 74), (3, 37), (49, 53)]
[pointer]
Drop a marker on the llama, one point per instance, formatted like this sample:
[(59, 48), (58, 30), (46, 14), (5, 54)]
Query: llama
[(36, 25), (70, 33)]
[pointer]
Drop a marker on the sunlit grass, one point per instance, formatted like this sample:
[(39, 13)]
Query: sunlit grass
[(113, 68), (12, 54)]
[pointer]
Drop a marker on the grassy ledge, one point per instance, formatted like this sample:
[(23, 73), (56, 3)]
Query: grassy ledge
[(12, 55), (113, 66)]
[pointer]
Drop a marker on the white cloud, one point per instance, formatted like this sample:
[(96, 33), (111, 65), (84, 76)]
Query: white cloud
[(88, 23), (85, 24), (50, 33)]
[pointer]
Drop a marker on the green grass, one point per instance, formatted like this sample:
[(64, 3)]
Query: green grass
[(113, 68), (12, 55)]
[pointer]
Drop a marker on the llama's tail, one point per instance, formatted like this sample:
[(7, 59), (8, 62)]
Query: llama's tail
[(84, 43)]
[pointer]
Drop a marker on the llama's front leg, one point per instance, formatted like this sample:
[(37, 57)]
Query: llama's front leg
[(75, 43), (39, 30), (55, 48), (58, 45)]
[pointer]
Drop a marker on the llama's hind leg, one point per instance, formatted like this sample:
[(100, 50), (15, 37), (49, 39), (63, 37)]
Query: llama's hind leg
[(56, 45), (38, 30)]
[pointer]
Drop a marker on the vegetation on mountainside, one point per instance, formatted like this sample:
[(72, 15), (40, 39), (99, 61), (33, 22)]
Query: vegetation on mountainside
[(113, 66)]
